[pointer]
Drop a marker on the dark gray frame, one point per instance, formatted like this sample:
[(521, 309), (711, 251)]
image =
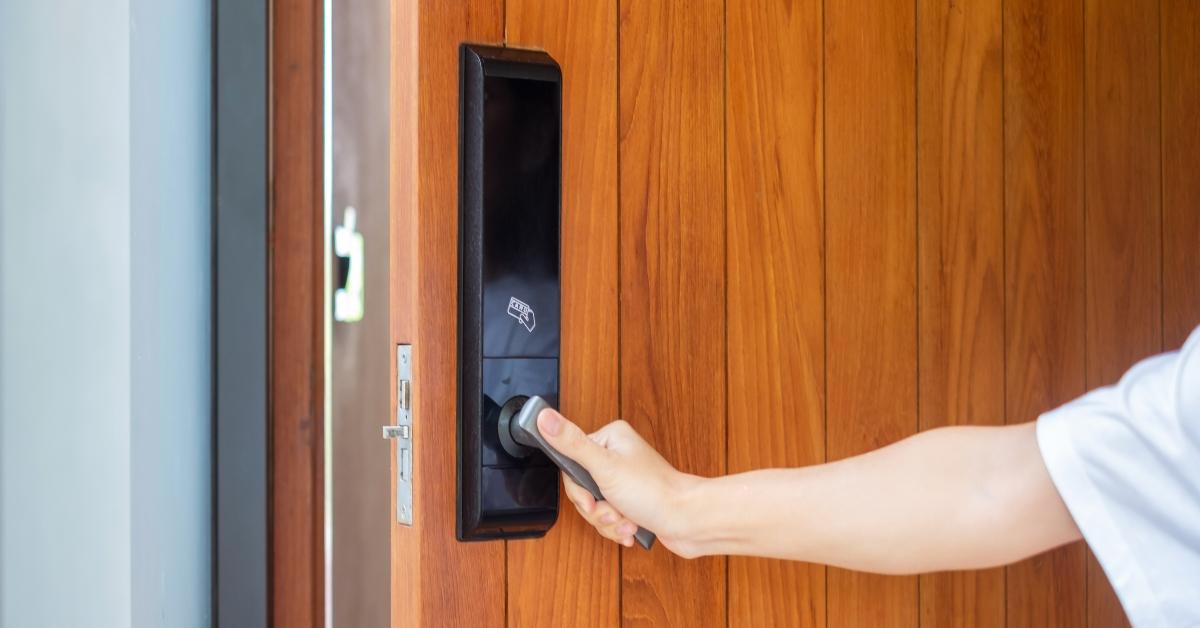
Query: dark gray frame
[(240, 179)]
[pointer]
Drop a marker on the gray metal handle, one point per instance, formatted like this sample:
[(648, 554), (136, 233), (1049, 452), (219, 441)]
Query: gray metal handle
[(524, 430)]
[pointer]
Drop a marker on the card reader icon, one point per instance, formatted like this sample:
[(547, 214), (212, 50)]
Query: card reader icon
[(521, 311)]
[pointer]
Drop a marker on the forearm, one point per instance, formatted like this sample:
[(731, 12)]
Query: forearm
[(952, 498)]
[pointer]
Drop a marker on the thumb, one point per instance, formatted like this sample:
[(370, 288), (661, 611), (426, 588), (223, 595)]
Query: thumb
[(568, 439)]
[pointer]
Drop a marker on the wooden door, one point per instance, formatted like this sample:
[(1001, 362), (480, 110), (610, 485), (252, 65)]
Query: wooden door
[(796, 231)]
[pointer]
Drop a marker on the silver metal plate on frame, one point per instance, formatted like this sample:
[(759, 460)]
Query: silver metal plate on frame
[(401, 432)]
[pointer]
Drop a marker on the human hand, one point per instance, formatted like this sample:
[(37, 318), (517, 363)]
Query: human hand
[(640, 487)]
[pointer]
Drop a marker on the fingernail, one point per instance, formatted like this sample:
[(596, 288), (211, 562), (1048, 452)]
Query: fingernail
[(550, 422), (627, 528), (607, 518)]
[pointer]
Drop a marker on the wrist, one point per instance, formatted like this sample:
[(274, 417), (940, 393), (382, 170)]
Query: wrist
[(692, 526)]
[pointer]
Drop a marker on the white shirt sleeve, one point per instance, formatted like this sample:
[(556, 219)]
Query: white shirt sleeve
[(1126, 460)]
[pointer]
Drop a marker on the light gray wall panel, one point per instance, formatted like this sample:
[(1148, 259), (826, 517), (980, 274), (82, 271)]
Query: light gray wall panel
[(105, 266)]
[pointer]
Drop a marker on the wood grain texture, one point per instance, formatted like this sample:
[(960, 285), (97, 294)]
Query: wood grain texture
[(1122, 179), (929, 189), (1181, 185), (672, 271), (775, 311), (405, 547), (960, 199), (296, 233), (572, 576), (439, 578), (1044, 262), (871, 313), (461, 582)]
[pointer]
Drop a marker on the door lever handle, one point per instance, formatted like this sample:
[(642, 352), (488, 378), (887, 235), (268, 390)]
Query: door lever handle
[(524, 430)]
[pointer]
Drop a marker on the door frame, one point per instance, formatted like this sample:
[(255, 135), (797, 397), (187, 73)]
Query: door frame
[(295, 241), (240, 178)]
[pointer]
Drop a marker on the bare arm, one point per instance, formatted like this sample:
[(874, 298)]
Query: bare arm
[(951, 498)]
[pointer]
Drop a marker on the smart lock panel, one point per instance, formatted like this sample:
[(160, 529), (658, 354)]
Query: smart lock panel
[(508, 320)]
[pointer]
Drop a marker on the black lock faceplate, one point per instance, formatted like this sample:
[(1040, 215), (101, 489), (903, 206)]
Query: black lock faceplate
[(508, 320)]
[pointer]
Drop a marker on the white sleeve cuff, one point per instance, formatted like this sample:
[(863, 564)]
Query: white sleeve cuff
[(1089, 508)]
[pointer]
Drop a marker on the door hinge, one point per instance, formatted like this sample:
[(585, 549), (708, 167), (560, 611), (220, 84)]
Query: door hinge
[(401, 432)]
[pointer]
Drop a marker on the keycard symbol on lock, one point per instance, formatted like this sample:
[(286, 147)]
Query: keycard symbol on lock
[(521, 311)]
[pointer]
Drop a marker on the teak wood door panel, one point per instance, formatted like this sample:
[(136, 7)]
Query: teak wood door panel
[(797, 231), (672, 288), (1123, 187), (960, 258), (1044, 263), (870, 264), (775, 306), (1180, 91), (436, 580), (571, 577)]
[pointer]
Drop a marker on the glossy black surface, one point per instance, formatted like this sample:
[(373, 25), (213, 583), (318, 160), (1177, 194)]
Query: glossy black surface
[(508, 322), (518, 501), (504, 378), (520, 218)]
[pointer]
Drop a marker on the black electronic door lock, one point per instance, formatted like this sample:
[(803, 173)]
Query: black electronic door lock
[(508, 265)]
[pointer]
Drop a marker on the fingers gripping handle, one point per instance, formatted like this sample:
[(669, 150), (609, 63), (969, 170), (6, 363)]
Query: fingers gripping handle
[(525, 431)]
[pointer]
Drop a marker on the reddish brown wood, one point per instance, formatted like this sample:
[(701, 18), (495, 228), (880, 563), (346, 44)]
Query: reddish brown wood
[(775, 322), (296, 341), (1123, 185), (1181, 185), (403, 199), (672, 277), (459, 582), (871, 317), (572, 576), (435, 578), (1044, 262), (988, 247), (960, 195), (296, 350)]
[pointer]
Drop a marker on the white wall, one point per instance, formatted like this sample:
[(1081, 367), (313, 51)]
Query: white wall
[(171, 285), (104, 313)]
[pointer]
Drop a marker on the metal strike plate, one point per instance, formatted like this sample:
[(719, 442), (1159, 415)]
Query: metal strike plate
[(401, 432)]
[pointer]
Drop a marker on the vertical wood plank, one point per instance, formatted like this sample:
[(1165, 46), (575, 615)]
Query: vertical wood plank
[(1181, 185), (571, 577), (960, 196), (403, 199), (443, 579), (871, 259), (297, 578), (775, 310), (1122, 182), (1044, 262), (672, 269), (463, 581)]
